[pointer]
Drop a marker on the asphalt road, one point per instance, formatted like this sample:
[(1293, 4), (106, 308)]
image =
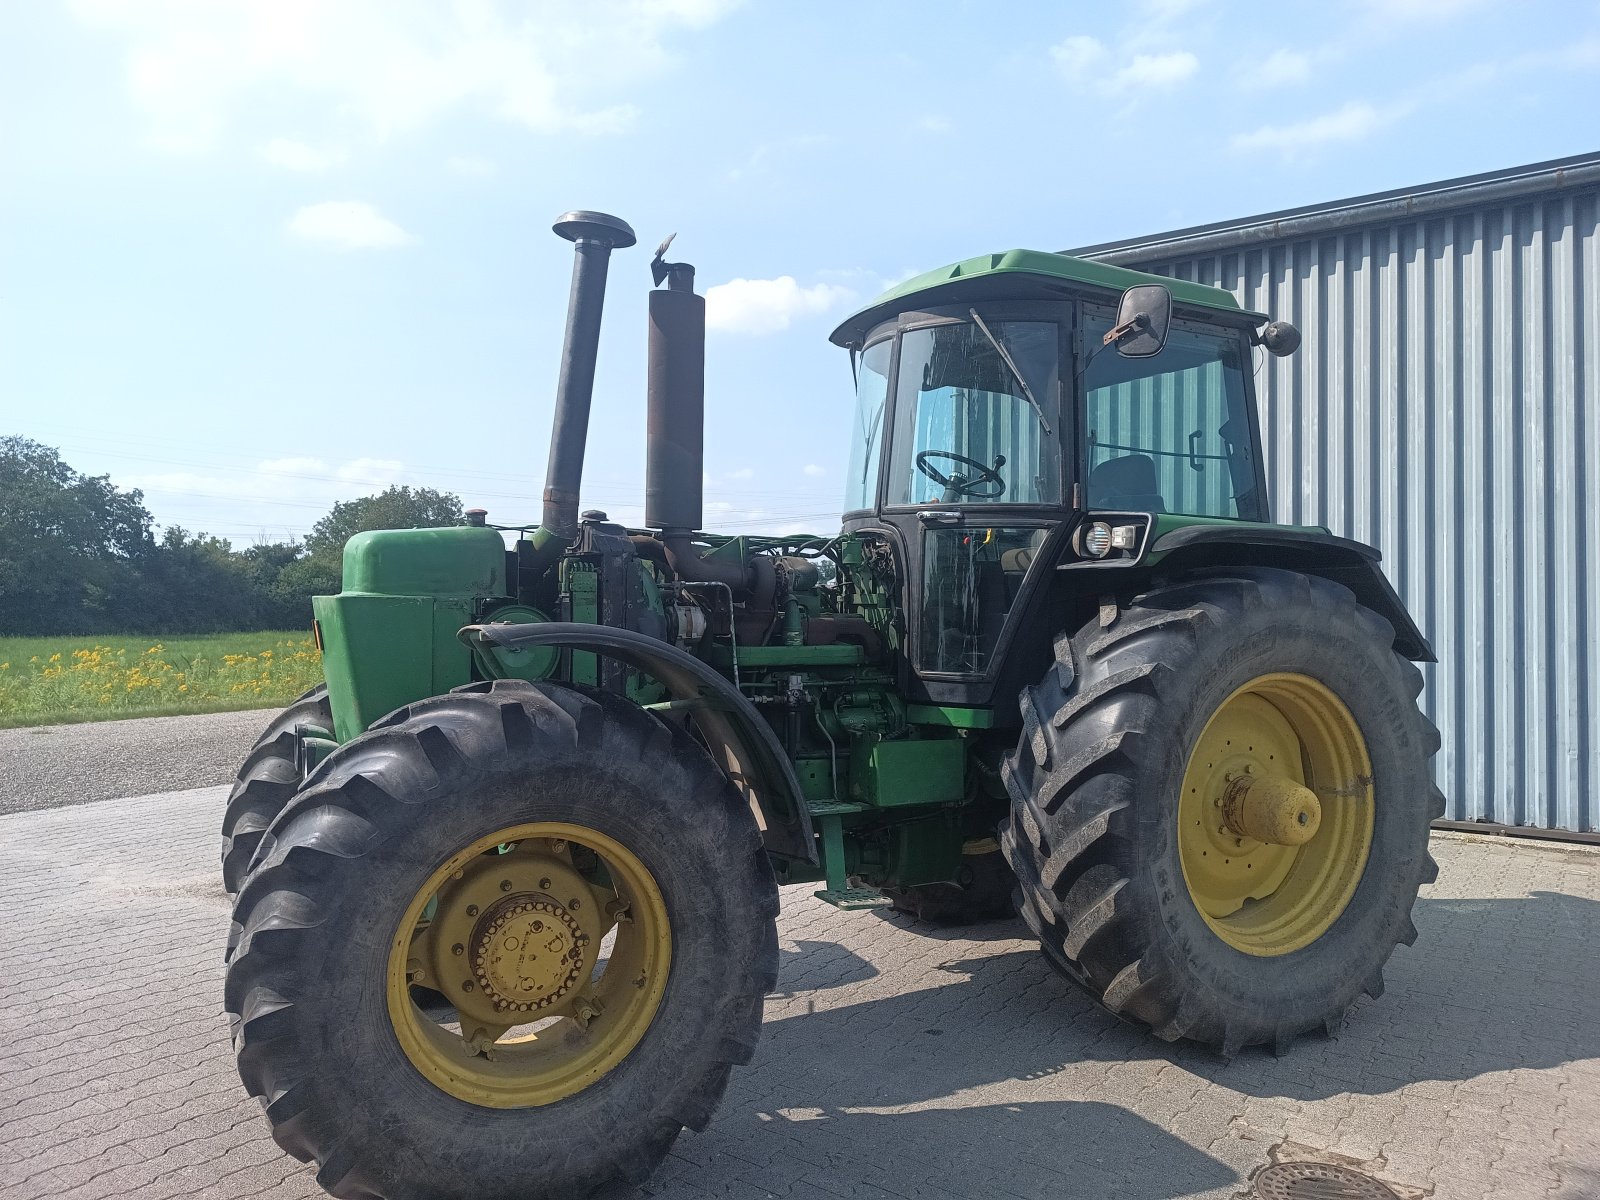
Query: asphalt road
[(49, 766)]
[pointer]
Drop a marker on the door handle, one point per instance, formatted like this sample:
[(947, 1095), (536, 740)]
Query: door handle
[(932, 516)]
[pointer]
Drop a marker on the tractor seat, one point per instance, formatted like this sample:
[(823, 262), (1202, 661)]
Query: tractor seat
[(1127, 483), (1018, 560)]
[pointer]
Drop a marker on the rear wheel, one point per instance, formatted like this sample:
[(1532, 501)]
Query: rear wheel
[(269, 776), (1220, 807), (579, 883)]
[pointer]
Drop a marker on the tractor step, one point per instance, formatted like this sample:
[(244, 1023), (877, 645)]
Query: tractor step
[(853, 898), (827, 808)]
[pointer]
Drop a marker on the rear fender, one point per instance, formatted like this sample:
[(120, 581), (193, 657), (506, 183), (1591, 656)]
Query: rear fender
[(1341, 560), (741, 741)]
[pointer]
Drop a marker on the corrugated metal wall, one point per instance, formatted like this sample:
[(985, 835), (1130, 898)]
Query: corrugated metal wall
[(1441, 409)]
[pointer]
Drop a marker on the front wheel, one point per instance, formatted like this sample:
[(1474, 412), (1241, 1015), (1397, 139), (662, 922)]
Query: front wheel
[(1220, 807), (270, 775), (579, 883)]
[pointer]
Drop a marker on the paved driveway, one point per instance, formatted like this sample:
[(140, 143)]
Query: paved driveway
[(894, 1064)]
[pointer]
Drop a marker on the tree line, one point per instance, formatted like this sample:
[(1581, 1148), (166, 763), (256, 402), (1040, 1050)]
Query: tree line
[(78, 555)]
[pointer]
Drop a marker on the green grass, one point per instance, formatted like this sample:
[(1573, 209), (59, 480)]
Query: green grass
[(46, 681)]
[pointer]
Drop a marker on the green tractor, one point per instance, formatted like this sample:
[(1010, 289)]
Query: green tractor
[(507, 888)]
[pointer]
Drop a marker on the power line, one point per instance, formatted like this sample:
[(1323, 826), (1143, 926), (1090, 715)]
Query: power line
[(448, 472)]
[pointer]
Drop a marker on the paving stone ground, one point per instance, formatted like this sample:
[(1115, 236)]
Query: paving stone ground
[(894, 1064)]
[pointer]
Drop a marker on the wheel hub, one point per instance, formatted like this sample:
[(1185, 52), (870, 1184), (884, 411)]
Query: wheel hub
[(516, 935), (1271, 808), (527, 954)]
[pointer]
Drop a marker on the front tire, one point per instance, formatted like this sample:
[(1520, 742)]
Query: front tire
[(269, 777), (1120, 807), (504, 798)]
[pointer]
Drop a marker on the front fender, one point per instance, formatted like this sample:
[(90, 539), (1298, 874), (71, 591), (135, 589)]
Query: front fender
[(749, 751)]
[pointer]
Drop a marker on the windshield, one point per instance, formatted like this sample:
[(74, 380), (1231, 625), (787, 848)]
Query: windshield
[(866, 442), (966, 428)]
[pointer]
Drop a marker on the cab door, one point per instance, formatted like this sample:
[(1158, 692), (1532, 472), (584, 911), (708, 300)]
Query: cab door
[(975, 480)]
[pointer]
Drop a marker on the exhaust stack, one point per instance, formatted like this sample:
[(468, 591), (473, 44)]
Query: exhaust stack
[(676, 402), (594, 236), (675, 399)]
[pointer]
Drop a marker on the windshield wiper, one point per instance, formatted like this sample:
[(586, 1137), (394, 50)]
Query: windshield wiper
[(1005, 357)]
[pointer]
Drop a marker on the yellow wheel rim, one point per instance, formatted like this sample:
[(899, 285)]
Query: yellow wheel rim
[(1275, 815), (552, 945)]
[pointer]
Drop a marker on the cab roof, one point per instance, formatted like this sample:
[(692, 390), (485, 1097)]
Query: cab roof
[(1025, 275)]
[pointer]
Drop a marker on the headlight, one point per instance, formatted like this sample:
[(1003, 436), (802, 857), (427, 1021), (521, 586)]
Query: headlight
[(1095, 540)]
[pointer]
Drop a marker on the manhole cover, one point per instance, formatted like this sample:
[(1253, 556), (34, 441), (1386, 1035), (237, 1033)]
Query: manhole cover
[(1318, 1181)]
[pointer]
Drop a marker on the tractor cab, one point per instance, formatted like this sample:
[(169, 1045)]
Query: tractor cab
[(1009, 405)]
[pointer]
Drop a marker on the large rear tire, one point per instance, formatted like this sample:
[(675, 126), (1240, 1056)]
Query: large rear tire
[(269, 776), (452, 847), (1145, 887)]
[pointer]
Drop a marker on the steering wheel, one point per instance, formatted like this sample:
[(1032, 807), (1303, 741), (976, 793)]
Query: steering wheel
[(960, 484)]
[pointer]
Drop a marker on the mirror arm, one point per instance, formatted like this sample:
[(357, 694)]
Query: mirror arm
[(1137, 322)]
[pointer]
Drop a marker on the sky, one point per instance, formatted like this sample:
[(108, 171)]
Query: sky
[(261, 256)]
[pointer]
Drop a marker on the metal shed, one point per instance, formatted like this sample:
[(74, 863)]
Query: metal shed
[(1440, 409)]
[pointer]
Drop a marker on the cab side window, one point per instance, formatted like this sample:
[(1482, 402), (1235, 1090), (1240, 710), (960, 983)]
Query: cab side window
[(1170, 433)]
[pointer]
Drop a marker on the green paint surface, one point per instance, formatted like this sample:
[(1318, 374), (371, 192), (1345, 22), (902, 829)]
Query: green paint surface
[(926, 771), (390, 636), (1025, 265), (1166, 523), (950, 717)]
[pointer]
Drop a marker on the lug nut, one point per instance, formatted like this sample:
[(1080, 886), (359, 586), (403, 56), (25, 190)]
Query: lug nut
[(466, 985), (458, 949), (544, 885), (505, 885), (558, 845), (574, 903), (472, 910)]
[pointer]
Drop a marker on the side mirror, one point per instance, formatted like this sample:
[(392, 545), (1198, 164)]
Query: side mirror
[(1280, 338), (1144, 315)]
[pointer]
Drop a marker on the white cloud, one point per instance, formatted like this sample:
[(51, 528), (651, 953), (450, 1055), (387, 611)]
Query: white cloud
[(347, 225), (388, 66), (302, 481), (297, 156), (1087, 62), (1352, 123), (1155, 71), (369, 472), (768, 305), (1079, 57), (1279, 69), (814, 471), (743, 473)]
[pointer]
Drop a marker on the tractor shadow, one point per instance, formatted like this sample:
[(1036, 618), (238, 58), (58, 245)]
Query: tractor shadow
[(814, 966), (1491, 984), (1044, 1149)]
